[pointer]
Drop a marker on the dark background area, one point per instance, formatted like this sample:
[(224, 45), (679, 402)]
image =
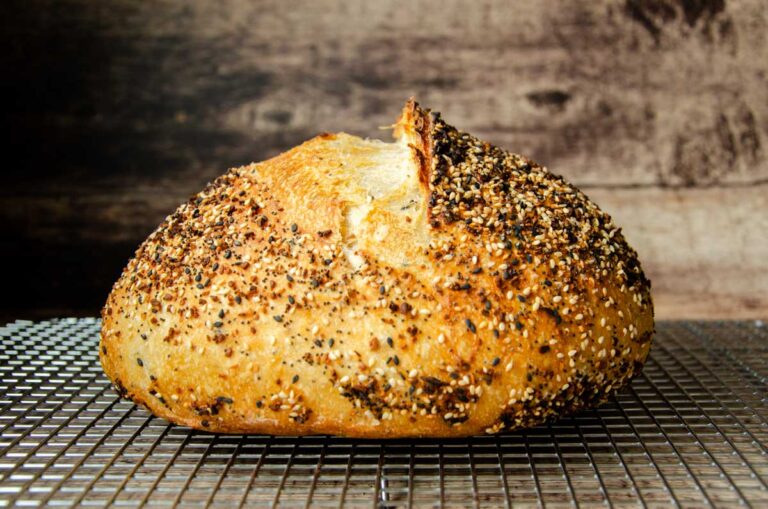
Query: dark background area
[(116, 111)]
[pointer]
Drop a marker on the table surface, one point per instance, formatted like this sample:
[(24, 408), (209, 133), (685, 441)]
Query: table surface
[(691, 431)]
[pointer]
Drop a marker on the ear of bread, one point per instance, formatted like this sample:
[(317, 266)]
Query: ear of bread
[(433, 286)]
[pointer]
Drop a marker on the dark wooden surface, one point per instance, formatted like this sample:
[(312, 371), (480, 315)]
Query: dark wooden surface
[(116, 111)]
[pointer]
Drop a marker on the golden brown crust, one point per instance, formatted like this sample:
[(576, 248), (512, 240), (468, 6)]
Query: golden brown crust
[(486, 294)]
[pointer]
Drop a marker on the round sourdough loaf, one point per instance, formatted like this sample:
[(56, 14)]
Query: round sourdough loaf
[(435, 286)]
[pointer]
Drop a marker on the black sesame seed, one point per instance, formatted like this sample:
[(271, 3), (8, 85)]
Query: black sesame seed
[(318, 343), (198, 277), (294, 227), (476, 270), (224, 399), (390, 342), (470, 325), (221, 313), (139, 362), (238, 299), (218, 324), (227, 254), (289, 278), (291, 300), (204, 423), (327, 261), (295, 379), (496, 361), (215, 266), (278, 318), (144, 337), (331, 341), (382, 290), (396, 360), (521, 298), (544, 348)]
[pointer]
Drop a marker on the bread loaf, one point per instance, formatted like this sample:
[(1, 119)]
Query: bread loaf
[(434, 286)]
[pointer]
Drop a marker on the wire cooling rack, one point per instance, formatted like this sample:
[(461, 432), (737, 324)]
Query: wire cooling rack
[(692, 431)]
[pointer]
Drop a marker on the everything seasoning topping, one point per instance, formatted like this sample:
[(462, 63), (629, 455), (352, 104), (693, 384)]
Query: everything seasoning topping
[(502, 197), (411, 394)]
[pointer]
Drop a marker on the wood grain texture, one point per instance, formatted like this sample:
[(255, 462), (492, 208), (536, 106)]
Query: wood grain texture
[(116, 111)]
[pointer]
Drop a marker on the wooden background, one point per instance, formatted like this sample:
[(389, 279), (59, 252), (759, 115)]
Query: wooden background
[(115, 111)]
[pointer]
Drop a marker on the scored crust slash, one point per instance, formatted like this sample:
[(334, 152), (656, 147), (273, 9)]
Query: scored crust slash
[(434, 286)]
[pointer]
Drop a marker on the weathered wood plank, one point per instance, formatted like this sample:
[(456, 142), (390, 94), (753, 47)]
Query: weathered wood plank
[(117, 111), (615, 91), (705, 250)]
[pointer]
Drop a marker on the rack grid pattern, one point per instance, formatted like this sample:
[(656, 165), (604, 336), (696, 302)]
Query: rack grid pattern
[(691, 431)]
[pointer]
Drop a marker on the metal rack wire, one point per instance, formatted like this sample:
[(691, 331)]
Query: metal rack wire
[(692, 431)]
